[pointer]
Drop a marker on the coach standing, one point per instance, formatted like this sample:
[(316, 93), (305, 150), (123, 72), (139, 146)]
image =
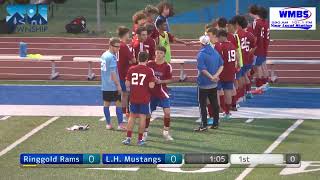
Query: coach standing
[(210, 65)]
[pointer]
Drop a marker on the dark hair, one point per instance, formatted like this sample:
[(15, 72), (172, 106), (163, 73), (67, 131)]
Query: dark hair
[(150, 9), (141, 29), (222, 22), (114, 40), (162, 5), (161, 48), (160, 22), (222, 33), (263, 13), (254, 9), (143, 56), (212, 30), (241, 21), (150, 28), (138, 16), (122, 31), (232, 21)]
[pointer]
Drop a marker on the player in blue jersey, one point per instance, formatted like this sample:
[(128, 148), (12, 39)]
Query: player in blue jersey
[(110, 83)]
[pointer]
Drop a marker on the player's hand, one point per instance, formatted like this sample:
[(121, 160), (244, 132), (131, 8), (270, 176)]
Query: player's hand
[(215, 78), (158, 81)]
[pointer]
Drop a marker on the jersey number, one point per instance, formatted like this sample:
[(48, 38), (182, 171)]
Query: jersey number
[(245, 44), (268, 33), (135, 79), (231, 55)]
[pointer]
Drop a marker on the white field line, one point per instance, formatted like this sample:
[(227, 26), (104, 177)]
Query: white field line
[(4, 118)]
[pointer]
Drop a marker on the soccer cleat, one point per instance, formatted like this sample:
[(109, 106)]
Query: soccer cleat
[(237, 106), (127, 141), (145, 136), (198, 120), (121, 127), (226, 117), (266, 87), (141, 143), (210, 121), (125, 119), (167, 136), (249, 95), (109, 127), (201, 129)]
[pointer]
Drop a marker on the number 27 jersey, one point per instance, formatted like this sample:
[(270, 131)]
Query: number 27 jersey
[(140, 76)]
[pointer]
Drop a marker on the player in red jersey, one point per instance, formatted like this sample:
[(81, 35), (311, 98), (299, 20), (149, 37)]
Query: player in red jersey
[(151, 12), (262, 33), (226, 83), (160, 94), (150, 43), (138, 44), (125, 59), (139, 19), (139, 80)]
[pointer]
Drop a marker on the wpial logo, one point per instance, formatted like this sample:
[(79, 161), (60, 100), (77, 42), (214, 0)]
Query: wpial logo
[(36, 16)]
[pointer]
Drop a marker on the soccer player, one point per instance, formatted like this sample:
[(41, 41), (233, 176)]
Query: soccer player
[(138, 44), (160, 94), (150, 43), (139, 80), (139, 19), (165, 11), (226, 83), (261, 31), (209, 65), (110, 83), (125, 60), (165, 38), (150, 12)]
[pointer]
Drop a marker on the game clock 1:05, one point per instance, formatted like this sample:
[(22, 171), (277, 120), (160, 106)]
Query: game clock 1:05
[(218, 159)]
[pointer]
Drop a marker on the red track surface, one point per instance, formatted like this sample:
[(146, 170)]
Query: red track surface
[(71, 47)]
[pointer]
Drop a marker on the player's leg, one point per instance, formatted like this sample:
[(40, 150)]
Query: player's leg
[(119, 113), (213, 98), (107, 98), (134, 110), (144, 110), (165, 104), (153, 105), (259, 75), (124, 100), (234, 96), (202, 98), (228, 90), (220, 96), (248, 82)]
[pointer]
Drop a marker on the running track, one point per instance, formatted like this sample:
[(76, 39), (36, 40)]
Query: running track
[(71, 47)]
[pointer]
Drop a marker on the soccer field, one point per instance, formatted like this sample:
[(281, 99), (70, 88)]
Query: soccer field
[(235, 136), (276, 125)]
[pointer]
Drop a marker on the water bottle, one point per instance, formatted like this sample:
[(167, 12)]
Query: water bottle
[(23, 49)]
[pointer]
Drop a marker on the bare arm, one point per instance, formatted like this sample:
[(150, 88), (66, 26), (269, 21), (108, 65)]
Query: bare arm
[(151, 85)]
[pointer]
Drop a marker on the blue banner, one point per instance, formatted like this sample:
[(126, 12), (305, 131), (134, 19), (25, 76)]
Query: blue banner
[(142, 158), (51, 159)]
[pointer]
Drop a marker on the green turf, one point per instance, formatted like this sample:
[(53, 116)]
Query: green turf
[(233, 136), (15, 127)]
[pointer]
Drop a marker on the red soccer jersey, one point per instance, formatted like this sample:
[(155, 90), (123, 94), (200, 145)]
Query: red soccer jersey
[(162, 72), (232, 39), (228, 53), (125, 55), (138, 46), (247, 42), (151, 47), (261, 31), (140, 76)]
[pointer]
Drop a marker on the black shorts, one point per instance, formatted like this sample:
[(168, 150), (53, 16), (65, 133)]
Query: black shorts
[(111, 96)]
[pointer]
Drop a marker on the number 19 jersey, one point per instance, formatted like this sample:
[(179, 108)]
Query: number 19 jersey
[(140, 76), (228, 53)]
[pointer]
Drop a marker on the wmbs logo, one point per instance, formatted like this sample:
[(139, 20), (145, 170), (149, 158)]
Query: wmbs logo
[(28, 18), (299, 14)]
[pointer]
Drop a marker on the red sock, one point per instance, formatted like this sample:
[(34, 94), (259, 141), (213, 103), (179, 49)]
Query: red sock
[(238, 94), (234, 101), (228, 106), (166, 122), (140, 135), (222, 102), (124, 110), (257, 82), (129, 134), (248, 87), (210, 112), (147, 122), (243, 91)]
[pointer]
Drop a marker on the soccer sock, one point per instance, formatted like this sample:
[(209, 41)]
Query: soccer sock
[(107, 114), (147, 123), (259, 82), (210, 112), (234, 101), (248, 87), (140, 135), (119, 115), (166, 122), (222, 102), (129, 134), (228, 106), (124, 110)]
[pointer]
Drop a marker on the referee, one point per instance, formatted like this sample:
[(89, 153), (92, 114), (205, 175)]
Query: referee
[(210, 65), (110, 83)]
